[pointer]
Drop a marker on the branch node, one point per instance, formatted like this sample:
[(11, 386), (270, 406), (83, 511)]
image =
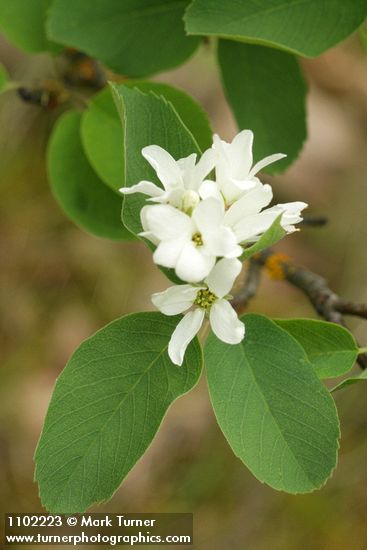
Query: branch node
[(274, 266)]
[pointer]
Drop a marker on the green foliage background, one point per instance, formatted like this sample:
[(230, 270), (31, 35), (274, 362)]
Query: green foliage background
[(60, 283)]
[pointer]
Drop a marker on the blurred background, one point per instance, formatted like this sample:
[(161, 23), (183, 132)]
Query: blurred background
[(58, 285)]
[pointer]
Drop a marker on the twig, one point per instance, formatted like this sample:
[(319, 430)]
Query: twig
[(249, 288), (351, 308), (314, 220), (324, 300)]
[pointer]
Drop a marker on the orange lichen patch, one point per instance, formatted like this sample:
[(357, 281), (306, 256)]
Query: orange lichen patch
[(274, 265)]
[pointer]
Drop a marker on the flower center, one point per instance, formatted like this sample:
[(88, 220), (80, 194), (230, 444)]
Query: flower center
[(197, 239), (205, 298)]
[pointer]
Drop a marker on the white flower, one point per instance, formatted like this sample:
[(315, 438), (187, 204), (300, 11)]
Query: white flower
[(291, 214), (190, 244), (181, 179), (198, 221), (248, 221), (233, 167), (207, 298)]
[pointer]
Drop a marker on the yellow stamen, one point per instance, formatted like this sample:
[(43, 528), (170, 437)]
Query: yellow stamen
[(197, 239), (205, 298)]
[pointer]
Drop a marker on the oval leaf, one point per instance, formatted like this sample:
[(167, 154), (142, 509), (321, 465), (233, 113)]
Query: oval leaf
[(147, 120), (102, 132), (164, 128), (330, 348), (23, 22), (102, 135), (133, 37), (106, 408), (276, 112), (276, 414), (78, 190), (307, 27)]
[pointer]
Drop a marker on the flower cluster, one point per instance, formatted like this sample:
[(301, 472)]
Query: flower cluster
[(200, 227)]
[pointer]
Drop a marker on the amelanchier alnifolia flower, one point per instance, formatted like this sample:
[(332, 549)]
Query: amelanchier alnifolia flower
[(200, 227), (181, 179), (190, 244), (249, 220), (207, 299), (234, 170)]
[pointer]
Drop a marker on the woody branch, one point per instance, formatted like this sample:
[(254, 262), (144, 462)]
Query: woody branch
[(325, 301)]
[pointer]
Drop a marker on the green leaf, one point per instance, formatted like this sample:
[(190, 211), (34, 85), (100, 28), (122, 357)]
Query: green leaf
[(23, 22), (276, 414), (305, 27), (267, 239), (350, 381), (78, 190), (4, 77), (147, 120), (190, 112), (102, 133), (267, 93), (102, 136), (330, 348), (106, 408), (133, 37)]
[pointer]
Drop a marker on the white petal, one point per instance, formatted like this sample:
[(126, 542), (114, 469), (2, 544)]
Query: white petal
[(208, 214), (233, 189), (145, 187), (233, 159), (221, 278), (221, 150), (203, 167), (265, 162), (143, 218), (175, 299), (193, 174), (164, 164), (250, 203), (221, 242), (185, 331), (292, 208), (172, 197), (187, 164), (166, 222), (193, 266), (225, 323), (241, 154), (168, 252), (187, 167), (251, 227), (149, 236), (291, 214), (209, 189), (244, 184)]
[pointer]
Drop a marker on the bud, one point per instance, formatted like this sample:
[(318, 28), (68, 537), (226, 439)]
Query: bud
[(190, 199)]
